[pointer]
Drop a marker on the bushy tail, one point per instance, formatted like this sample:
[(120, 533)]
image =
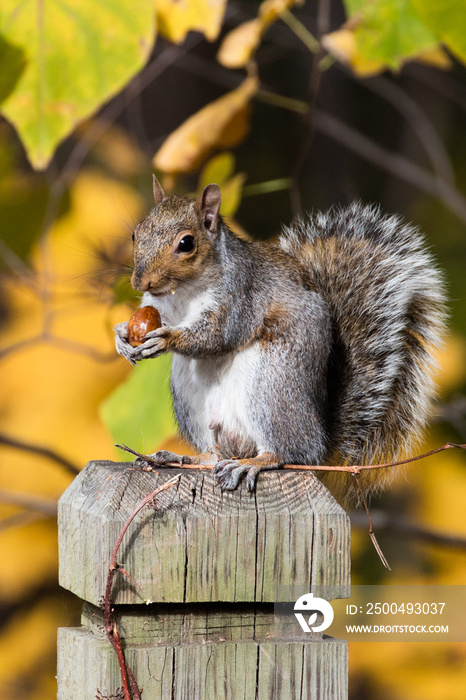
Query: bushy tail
[(388, 306)]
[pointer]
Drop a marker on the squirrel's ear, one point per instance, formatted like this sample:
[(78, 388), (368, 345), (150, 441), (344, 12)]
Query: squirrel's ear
[(208, 204), (159, 194)]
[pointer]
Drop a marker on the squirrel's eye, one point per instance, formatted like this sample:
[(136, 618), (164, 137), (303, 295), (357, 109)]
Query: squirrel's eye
[(186, 244), (133, 236)]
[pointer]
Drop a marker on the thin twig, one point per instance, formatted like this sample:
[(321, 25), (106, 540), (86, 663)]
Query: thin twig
[(302, 32), (20, 520), (352, 469), (81, 349), (371, 528), (394, 524)]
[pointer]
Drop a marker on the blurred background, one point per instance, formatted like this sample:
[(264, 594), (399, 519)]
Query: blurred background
[(290, 107)]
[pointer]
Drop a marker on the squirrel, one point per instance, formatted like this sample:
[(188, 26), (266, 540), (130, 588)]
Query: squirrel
[(316, 349)]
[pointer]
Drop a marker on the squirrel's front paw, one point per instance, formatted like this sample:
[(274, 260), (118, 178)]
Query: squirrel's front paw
[(121, 342), (155, 343)]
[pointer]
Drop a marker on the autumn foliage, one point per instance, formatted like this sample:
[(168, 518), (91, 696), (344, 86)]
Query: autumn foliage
[(287, 106)]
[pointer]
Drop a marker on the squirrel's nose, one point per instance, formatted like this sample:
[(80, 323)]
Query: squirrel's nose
[(140, 282)]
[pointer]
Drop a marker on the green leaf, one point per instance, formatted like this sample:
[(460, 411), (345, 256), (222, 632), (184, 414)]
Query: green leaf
[(389, 31), (14, 58), (77, 54), (139, 412), (447, 20)]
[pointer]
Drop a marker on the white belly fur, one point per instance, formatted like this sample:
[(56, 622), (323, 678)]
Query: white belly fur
[(214, 391)]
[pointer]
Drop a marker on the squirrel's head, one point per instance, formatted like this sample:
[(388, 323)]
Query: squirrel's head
[(175, 241)]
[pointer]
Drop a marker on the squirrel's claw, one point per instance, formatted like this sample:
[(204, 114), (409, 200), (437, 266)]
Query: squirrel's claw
[(123, 348), (154, 344), (229, 472)]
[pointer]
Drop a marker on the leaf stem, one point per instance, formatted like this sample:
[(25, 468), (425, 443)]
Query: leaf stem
[(301, 31), (281, 101), (283, 183)]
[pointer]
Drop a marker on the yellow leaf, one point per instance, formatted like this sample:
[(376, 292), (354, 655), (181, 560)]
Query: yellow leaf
[(52, 389), (220, 169), (436, 57), (221, 124), (73, 56), (270, 10), (231, 194), (343, 46), (452, 363), (28, 639), (239, 44), (177, 17), (217, 169)]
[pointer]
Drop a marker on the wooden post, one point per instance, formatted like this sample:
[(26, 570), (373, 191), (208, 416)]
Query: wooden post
[(209, 566)]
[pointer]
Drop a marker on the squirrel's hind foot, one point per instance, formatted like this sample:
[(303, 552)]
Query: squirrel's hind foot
[(229, 472)]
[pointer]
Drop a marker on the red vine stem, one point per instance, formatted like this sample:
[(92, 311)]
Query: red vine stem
[(110, 627)]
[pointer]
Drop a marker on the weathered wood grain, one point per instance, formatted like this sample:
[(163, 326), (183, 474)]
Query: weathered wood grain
[(209, 566), (201, 544), (219, 656)]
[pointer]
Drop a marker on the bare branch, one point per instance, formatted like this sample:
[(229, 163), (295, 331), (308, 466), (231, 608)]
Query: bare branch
[(393, 163), (81, 349), (20, 520), (420, 123), (351, 469), (64, 344), (19, 444), (323, 23), (20, 345), (30, 501), (396, 525), (371, 528)]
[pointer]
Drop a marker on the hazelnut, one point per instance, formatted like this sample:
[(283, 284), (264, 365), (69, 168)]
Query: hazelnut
[(143, 321)]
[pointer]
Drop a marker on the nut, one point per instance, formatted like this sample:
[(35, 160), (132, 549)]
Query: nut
[(143, 321)]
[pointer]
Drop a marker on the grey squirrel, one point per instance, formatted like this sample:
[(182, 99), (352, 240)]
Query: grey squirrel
[(317, 349)]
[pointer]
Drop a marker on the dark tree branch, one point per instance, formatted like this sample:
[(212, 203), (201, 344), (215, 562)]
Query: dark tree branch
[(421, 125), (19, 444), (323, 23), (30, 501), (393, 163), (394, 525)]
